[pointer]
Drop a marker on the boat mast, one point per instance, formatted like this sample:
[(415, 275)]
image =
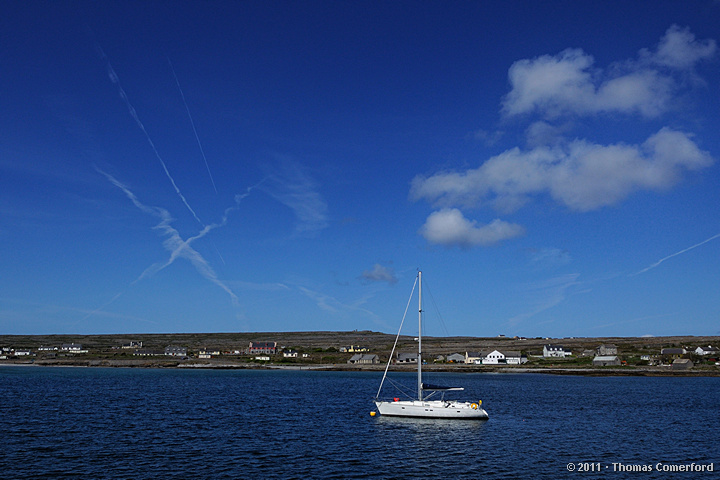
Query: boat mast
[(419, 357)]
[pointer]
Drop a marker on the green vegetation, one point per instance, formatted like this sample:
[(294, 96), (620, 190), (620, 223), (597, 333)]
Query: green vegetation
[(562, 362)]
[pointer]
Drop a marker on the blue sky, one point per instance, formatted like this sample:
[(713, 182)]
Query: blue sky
[(552, 167)]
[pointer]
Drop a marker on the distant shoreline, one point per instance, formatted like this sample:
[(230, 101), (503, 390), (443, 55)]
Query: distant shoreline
[(645, 371), (329, 351)]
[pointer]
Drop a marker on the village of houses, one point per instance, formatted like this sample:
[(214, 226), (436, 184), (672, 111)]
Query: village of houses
[(604, 355)]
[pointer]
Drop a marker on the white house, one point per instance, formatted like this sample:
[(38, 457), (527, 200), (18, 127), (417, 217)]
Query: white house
[(473, 357), (175, 351), (73, 348), (290, 354), (515, 358), (649, 358), (262, 347), (709, 350), (555, 351), (496, 357), (208, 352)]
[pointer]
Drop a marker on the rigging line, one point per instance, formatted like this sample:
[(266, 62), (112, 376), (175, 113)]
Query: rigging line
[(437, 310), (403, 389), (397, 337), (431, 377)]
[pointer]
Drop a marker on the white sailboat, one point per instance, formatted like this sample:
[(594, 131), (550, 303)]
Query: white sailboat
[(424, 406)]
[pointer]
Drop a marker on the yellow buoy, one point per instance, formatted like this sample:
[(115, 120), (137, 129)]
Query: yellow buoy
[(372, 414)]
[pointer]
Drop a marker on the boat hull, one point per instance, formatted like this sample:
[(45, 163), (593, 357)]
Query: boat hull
[(432, 409)]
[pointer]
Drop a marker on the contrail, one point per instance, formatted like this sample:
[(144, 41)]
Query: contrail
[(116, 81), (675, 254), (101, 307), (178, 247), (181, 248), (240, 196), (174, 242), (177, 82)]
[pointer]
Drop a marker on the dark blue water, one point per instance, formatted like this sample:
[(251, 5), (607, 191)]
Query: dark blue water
[(151, 423)]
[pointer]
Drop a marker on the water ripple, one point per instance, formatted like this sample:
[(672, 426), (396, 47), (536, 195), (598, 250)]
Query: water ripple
[(117, 423)]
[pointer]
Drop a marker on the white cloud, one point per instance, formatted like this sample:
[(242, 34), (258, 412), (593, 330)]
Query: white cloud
[(549, 257), (449, 227), (543, 133), (552, 91), (551, 83), (323, 301), (678, 49), (569, 83), (334, 306), (579, 174), (293, 187), (379, 274), (489, 138), (646, 92)]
